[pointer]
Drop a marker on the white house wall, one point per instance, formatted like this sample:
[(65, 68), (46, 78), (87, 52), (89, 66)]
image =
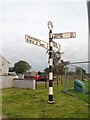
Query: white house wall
[(0, 65), (4, 66)]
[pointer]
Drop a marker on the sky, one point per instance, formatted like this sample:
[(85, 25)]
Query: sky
[(20, 17)]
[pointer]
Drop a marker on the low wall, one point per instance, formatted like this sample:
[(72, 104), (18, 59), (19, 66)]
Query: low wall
[(6, 81), (24, 84), (11, 81)]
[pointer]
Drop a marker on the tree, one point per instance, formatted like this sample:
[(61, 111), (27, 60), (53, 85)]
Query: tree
[(80, 72), (60, 68), (58, 63), (21, 67), (39, 73), (56, 57), (63, 63), (83, 74), (46, 70), (11, 69)]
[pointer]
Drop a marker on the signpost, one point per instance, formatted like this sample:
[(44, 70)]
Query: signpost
[(41, 43), (50, 45), (56, 45), (35, 41), (64, 35)]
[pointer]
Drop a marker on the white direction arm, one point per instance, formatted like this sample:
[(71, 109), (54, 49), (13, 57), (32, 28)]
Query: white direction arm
[(41, 43)]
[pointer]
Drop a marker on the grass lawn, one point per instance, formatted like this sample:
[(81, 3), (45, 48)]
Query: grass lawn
[(26, 103)]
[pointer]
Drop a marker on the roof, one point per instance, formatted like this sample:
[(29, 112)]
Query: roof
[(5, 59)]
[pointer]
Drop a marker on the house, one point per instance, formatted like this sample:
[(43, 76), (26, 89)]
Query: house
[(4, 66)]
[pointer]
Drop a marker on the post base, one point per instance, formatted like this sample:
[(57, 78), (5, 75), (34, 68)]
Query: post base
[(50, 102)]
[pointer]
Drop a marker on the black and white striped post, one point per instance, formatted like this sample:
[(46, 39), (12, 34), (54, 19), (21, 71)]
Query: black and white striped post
[(50, 26), (50, 68)]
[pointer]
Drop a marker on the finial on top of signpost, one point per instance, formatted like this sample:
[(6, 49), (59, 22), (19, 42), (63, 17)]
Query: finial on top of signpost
[(50, 25)]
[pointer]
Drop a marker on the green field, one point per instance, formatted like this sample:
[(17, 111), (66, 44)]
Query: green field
[(26, 103)]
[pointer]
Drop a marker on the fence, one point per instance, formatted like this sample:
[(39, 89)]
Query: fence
[(70, 75), (66, 81), (41, 80)]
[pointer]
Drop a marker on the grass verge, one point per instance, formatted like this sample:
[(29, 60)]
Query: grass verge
[(26, 103)]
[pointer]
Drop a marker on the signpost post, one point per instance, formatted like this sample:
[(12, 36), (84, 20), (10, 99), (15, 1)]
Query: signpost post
[(50, 26)]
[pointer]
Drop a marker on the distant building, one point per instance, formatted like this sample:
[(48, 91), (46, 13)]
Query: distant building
[(4, 66), (33, 73)]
